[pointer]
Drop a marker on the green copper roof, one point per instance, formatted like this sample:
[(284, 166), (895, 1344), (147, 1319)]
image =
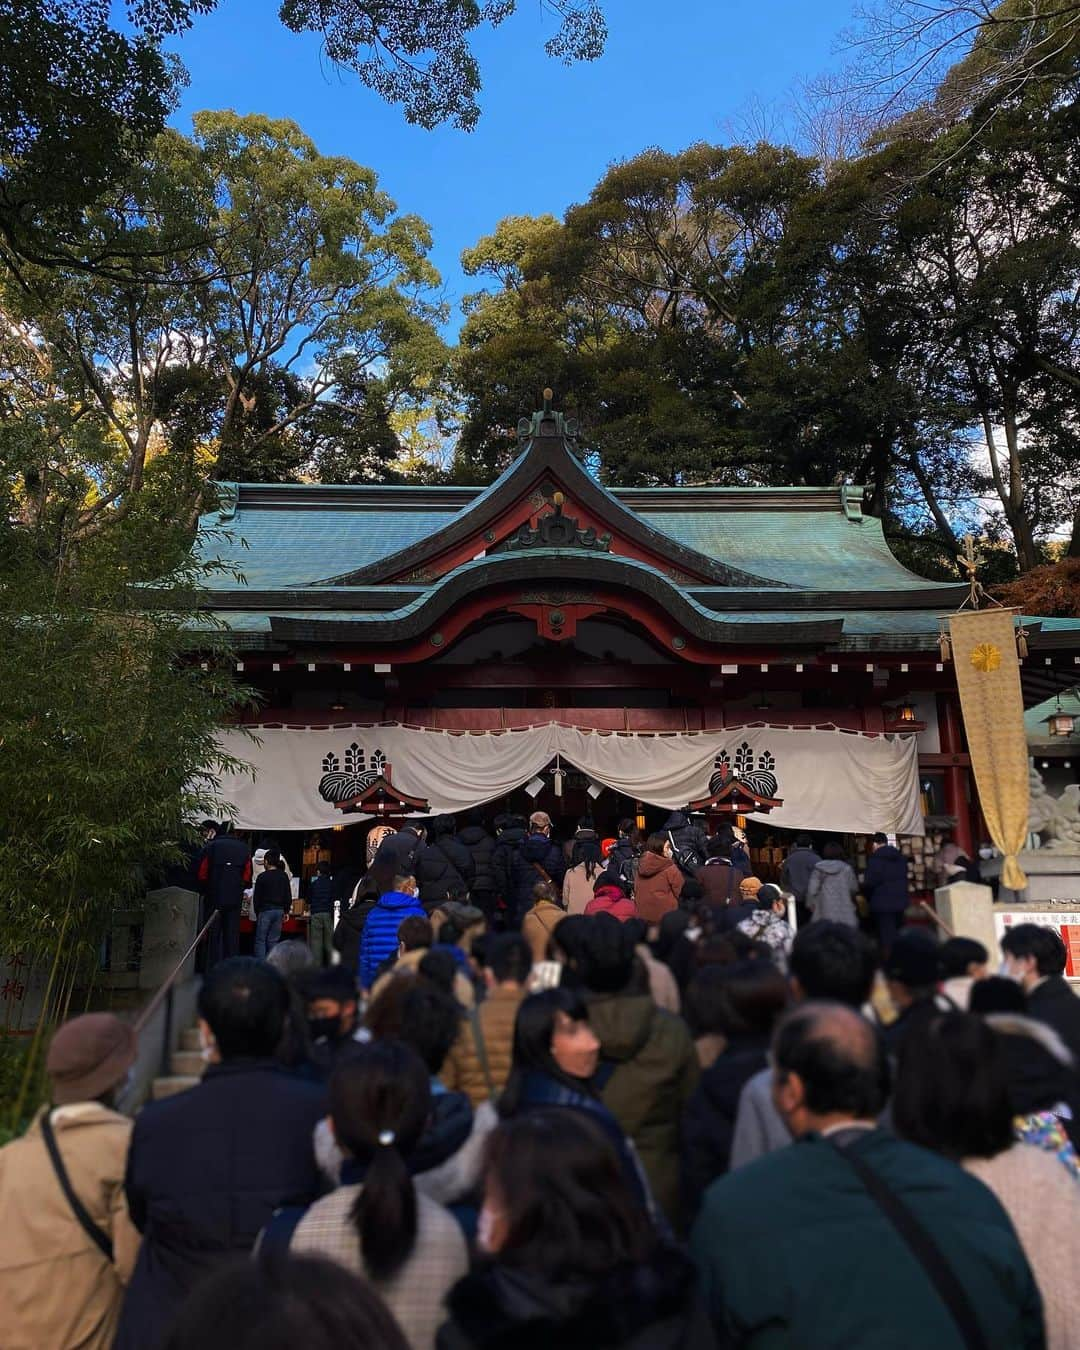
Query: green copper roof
[(814, 549), (291, 535)]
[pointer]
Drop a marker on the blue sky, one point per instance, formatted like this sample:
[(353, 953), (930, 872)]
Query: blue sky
[(672, 74)]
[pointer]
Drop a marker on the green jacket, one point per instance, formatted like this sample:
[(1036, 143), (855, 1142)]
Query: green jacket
[(653, 1073), (793, 1252)]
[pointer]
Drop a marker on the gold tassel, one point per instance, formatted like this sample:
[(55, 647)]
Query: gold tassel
[(1021, 643), (944, 646)]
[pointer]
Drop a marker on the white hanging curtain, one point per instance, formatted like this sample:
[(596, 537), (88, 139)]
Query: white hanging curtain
[(828, 780)]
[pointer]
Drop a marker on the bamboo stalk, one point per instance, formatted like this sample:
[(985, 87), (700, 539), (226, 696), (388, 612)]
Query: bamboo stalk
[(35, 1044)]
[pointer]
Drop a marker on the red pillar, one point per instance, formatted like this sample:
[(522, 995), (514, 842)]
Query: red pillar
[(951, 732)]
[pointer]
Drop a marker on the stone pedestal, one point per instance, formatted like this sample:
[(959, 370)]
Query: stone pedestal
[(170, 922), (969, 911), (1051, 876)]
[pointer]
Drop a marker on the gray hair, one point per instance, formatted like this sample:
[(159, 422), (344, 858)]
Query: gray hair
[(291, 957)]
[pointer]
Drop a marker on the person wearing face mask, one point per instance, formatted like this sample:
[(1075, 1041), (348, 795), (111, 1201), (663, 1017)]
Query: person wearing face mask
[(556, 1059), (1035, 957), (331, 1009), (65, 1258), (569, 1258), (377, 1223), (379, 939)]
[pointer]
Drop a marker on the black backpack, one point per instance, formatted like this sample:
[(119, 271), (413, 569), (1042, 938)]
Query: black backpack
[(687, 858)]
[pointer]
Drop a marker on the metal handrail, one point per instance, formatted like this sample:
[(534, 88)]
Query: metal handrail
[(156, 1001)]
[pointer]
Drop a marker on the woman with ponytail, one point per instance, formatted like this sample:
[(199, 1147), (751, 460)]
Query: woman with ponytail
[(376, 1224)]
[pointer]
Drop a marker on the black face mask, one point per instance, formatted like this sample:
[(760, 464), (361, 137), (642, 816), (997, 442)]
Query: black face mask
[(325, 1028)]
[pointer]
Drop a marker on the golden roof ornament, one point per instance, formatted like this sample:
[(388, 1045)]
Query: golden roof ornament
[(977, 596)]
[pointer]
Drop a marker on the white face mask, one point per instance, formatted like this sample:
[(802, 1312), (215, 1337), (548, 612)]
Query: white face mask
[(485, 1229), (1007, 971), (207, 1047)]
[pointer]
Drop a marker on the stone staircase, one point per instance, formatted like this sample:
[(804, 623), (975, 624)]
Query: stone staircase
[(186, 1067)]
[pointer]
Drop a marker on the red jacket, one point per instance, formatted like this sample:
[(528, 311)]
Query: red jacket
[(610, 900)]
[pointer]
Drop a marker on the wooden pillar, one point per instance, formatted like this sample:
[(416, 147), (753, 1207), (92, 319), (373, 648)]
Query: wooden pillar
[(951, 731)]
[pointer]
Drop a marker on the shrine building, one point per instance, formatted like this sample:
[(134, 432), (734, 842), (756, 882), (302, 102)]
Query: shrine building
[(547, 642)]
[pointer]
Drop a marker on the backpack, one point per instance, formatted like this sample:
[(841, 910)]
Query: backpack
[(687, 859), (627, 872)]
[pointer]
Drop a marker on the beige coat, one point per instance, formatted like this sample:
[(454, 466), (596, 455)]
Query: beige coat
[(462, 1070), (415, 1294), (538, 926), (57, 1291), (577, 888), (662, 984), (1044, 1206)]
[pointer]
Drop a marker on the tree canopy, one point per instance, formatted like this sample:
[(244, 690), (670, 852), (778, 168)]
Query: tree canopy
[(907, 318), (285, 309)]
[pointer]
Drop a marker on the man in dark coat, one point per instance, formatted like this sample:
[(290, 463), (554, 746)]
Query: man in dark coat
[(224, 874), (836, 1261), (720, 878), (1035, 957), (514, 877), (396, 855), (208, 1167), (795, 873), (688, 841), (544, 860), (480, 846), (441, 864), (885, 886)]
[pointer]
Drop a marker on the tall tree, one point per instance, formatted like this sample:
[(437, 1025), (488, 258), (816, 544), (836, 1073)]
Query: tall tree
[(287, 274)]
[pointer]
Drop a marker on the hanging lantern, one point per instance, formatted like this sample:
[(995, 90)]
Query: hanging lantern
[(1060, 723), (906, 714), (639, 817), (558, 777), (1021, 643)]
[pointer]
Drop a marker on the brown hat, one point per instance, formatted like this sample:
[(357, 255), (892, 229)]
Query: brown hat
[(540, 818), (749, 887), (89, 1055)]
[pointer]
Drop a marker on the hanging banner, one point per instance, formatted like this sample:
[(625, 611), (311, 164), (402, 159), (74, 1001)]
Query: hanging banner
[(988, 677), (828, 780)]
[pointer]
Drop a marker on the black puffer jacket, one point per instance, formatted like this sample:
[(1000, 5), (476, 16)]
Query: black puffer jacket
[(396, 855), (508, 866), (481, 847), (708, 1125), (537, 851), (650, 1306), (623, 860), (349, 931), (459, 855), (686, 837), (540, 848), (435, 872)]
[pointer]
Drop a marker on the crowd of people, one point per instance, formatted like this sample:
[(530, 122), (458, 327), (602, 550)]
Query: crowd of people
[(588, 1094)]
